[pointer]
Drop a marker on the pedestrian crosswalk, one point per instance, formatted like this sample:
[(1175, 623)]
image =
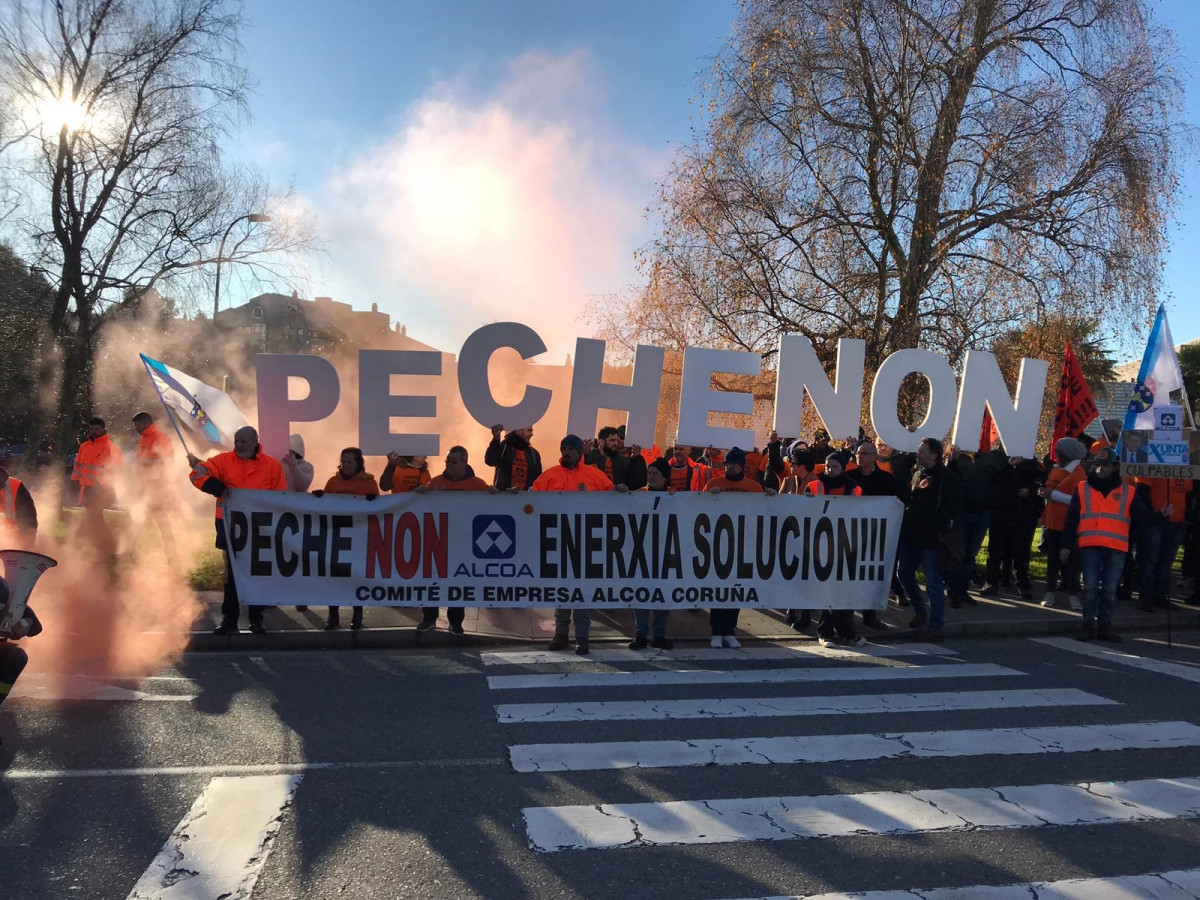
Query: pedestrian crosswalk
[(619, 715)]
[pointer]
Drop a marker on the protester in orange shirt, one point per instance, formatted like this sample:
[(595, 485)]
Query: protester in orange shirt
[(723, 622), (572, 474), (1061, 484), (154, 454), (350, 478), (404, 473), (1159, 540), (96, 466), (245, 466), (458, 477), (686, 474)]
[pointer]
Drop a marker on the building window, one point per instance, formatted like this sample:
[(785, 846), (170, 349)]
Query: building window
[(258, 312), (259, 329)]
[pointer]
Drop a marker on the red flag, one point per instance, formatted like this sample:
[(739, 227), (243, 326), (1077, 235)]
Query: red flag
[(1076, 405), (987, 433)]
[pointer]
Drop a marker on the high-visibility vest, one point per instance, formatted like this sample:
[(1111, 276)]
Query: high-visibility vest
[(10, 498), (1104, 521)]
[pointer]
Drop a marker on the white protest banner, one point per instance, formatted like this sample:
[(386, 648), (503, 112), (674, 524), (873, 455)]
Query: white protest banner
[(549, 549)]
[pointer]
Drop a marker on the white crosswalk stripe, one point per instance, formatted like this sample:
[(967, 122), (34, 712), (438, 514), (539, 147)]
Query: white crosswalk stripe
[(1181, 884), (842, 747), (747, 676), (774, 707), (624, 825), (749, 654), (1108, 654)]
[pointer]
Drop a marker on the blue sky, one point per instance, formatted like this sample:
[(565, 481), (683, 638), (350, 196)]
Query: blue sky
[(467, 160)]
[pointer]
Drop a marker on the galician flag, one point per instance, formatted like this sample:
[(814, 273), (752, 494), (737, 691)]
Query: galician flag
[(208, 412), (1159, 375)]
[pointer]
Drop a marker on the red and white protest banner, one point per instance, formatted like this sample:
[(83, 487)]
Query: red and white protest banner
[(550, 549), (1076, 406)]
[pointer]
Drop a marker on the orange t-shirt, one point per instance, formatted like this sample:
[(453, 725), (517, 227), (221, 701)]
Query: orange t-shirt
[(560, 478), (1169, 490), (363, 485), (1059, 479), (471, 483), (741, 486), (407, 478)]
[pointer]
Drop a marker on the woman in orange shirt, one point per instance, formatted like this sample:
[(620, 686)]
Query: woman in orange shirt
[(349, 479)]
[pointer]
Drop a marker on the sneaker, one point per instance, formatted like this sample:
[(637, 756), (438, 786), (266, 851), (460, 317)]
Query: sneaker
[(639, 642), (1074, 603), (581, 648), (662, 643), (918, 620), (1049, 601), (828, 641), (990, 590), (226, 628), (730, 641), (559, 642), (332, 625), (903, 601), (716, 643), (426, 625), (257, 628), (857, 641)]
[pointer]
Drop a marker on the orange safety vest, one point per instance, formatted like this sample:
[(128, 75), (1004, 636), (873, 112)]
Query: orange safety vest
[(259, 473), (816, 487), (95, 461), (1104, 521), (153, 447)]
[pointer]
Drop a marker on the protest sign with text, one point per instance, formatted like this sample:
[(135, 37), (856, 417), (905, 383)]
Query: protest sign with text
[(550, 549)]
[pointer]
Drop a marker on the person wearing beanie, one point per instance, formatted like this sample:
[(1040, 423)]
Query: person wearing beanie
[(724, 621), (349, 478), (1097, 527), (836, 626), (833, 480), (516, 462), (297, 471), (573, 474), (658, 480), (734, 480), (1062, 481)]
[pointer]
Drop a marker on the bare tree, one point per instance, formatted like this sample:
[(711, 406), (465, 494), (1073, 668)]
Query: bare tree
[(925, 172), (126, 104)]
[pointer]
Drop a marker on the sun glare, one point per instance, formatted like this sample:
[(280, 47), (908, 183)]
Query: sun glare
[(56, 112)]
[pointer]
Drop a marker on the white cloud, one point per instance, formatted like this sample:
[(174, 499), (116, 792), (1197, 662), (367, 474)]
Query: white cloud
[(514, 204)]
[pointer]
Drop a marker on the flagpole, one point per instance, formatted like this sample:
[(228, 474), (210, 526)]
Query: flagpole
[(171, 417)]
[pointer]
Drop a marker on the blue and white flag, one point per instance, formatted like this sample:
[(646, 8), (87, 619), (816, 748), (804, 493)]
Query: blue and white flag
[(1159, 375), (208, 412)]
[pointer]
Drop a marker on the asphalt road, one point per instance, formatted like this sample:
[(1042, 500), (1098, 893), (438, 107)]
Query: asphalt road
[(460, 774)]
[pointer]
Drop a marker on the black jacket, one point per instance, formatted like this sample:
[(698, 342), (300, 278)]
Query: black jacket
[(628, 469), (500, 455), (878, 484), (934, 499)]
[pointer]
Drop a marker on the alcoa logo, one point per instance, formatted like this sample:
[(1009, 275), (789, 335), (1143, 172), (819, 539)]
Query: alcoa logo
[(494, 537)]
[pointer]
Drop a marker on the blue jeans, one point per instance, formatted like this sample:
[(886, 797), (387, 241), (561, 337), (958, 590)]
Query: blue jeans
[(1157, 546), (641, 618), (973, 528), (926, 558), (1101, 572)]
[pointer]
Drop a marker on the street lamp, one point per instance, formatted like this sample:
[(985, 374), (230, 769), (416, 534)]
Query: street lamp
[(249, 217)]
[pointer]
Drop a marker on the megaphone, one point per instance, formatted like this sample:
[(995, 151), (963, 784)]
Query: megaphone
[(22, 569)]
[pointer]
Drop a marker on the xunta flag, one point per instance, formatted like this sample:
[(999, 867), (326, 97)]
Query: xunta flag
[(1159, 375), (207, 411), (1076, 406)]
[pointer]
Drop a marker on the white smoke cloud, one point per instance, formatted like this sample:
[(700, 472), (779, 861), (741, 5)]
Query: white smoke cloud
[(511, 204)]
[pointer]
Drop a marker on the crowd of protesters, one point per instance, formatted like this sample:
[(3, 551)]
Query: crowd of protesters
[(1104, 538)]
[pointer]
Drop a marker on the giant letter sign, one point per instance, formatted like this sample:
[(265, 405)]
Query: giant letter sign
[(886, 390), (1016, 421), (839, 405), (276, 412), (697, 398), (473, 384), (378, 405), (590, 392)]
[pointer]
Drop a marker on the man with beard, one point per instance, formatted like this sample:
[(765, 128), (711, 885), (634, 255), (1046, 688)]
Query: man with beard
[(572, 474), (1097, 525), (621, 467), (516, 462)]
